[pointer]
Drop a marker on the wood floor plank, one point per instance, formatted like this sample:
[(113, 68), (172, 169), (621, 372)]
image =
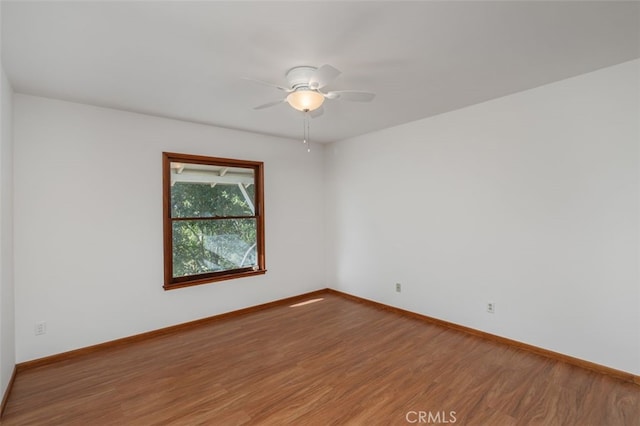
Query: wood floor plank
[(332, 362)]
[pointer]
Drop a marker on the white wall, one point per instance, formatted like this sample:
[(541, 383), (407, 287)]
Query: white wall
[(88, 223), (529, 201), (7, 318)]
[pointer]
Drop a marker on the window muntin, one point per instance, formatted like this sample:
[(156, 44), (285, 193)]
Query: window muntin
[(213, 222)]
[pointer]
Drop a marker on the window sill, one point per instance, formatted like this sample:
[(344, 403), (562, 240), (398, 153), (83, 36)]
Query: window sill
[(210, 280)]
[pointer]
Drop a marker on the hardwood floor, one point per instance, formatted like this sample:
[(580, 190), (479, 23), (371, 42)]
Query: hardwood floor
[(331, 362)]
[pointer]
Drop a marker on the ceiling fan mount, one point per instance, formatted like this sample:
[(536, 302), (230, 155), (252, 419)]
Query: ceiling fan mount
[(299, 77)]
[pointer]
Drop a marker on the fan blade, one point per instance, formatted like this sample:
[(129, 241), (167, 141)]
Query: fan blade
[(316, 112), (323, 76), (270, 104), (351, 95), (330, 95), (266, 83)]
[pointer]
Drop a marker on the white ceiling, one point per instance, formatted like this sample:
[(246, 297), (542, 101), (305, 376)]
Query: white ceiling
[(187, 60)]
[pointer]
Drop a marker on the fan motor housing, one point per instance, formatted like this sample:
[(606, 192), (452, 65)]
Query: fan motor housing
[(300, 76)]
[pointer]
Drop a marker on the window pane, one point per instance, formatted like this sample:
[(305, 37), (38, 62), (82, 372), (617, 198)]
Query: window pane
[(208, 191), (204, 246)]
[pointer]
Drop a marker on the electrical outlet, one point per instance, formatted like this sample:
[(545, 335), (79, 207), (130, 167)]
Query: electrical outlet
[(41, 328), (398, 287), (491, 307)]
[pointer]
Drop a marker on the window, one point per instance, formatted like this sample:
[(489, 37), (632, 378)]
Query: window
[(213, 219)]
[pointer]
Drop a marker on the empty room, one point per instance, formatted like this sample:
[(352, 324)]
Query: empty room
[(320, 213)]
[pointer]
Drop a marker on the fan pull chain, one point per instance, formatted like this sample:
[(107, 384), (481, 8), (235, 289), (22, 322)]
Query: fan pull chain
[(305, 131), (308, 141)]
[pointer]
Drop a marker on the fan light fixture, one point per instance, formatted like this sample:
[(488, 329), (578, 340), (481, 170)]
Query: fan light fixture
[(305, 100)]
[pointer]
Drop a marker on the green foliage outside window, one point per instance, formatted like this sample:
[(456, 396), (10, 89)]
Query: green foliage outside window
[(203, 245)]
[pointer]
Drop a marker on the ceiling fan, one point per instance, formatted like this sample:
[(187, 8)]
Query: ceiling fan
[(303, 91)]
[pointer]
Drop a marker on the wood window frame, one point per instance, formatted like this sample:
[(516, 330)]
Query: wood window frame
[(170, 282)]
